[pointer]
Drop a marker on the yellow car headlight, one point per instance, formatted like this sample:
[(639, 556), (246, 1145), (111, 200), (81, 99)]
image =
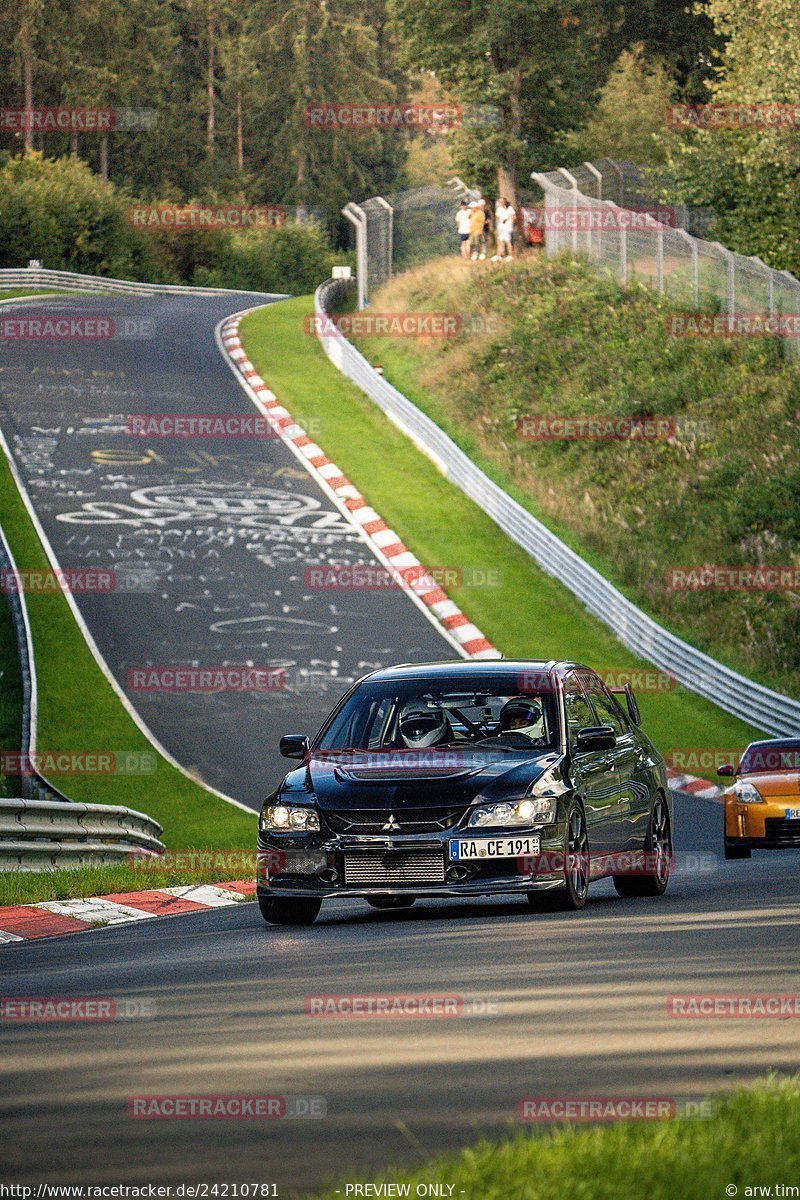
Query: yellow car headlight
[(746, 793)]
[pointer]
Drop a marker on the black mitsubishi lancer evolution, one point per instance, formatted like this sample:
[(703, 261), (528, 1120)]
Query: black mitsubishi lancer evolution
[(466, 779)]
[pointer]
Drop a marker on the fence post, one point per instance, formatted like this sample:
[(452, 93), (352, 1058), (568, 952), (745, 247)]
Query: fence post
[(791, 279), (592, 169), (390, 249), (660, 258), (574, 185), (598, 176), (621, 176), (551, 236), (770, 282), (357, 217), (695, 266), (730, 289)]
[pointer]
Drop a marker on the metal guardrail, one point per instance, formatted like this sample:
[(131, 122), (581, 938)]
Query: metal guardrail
[(41, 277), (752, 702), (46, 829), (22, 635), (43, 834)]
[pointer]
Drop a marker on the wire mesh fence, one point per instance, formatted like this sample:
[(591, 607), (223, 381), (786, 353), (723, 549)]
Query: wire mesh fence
[(604, 212), (403, 230)]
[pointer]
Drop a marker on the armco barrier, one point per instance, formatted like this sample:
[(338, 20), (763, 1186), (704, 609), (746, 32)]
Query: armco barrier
[(34, 277), (46, 829), (757, 705), (38, 835)]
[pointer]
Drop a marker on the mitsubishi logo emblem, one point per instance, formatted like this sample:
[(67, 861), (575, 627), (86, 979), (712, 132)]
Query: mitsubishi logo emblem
[(391, 824)]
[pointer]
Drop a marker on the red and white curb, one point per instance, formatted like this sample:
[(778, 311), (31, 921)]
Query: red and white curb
[(387, 545), (701, 789), (24, 922)]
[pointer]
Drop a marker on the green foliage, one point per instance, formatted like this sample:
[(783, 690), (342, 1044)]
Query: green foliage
[(227, 86), (294, 258), (60, 212), (406, 488), (628, 122), (750, 177)]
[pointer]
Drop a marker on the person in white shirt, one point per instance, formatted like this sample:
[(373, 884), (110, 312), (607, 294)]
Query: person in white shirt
[(506, 218), (462, 224)]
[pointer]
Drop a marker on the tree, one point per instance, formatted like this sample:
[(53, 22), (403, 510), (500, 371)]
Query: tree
[(25, 47), (750, 176), (628, 122), (527, 57), (317, 53)]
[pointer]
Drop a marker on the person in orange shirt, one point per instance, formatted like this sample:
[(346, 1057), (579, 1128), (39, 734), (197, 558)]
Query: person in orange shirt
[(477, 216)]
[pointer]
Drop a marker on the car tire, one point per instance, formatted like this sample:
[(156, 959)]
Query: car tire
[(281, 910), (734, 850), (391, 902), (658, 842), (571, 896)]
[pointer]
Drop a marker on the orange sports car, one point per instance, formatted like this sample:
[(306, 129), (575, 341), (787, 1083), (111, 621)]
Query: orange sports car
[(762, 808)]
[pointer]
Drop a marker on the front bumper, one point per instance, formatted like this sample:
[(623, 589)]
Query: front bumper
[(762, 826), (314, 865)]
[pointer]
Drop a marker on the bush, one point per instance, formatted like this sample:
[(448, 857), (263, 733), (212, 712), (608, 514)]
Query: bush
[(290, 258), (59, 211)]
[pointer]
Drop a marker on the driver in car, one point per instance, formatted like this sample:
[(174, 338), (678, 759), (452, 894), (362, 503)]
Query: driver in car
[(422, 727), (521, 715)]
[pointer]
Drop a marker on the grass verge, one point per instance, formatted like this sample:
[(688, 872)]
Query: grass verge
[(555, 339), (80, 711), (527, 614), (752, 1141), (32, 887), (19, 293)]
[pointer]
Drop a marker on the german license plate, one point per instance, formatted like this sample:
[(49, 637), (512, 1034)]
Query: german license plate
[(793, 814), (474, 849)]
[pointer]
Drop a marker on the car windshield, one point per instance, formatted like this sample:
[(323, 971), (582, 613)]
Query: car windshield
[(486, 714), (771, 756)]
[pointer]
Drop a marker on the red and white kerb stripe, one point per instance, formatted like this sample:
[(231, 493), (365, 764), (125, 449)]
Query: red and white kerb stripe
[(386, 544)]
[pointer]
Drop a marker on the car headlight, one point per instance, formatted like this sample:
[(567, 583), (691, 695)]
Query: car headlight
[(531, 810), (289, 818), (747, 794)]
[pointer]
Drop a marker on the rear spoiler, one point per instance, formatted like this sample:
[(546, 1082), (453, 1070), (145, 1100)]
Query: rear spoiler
[(630, 701)]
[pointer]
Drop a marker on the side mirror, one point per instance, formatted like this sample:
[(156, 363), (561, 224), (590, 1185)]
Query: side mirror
[(294, 745), (596, 737), (726, 769)]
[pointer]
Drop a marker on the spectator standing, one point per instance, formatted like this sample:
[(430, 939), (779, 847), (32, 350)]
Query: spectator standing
[(477, 217), (462, 224), (505, 217)]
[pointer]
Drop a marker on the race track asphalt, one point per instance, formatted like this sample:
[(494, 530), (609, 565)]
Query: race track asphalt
[(210, 539), (580, 1011)]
